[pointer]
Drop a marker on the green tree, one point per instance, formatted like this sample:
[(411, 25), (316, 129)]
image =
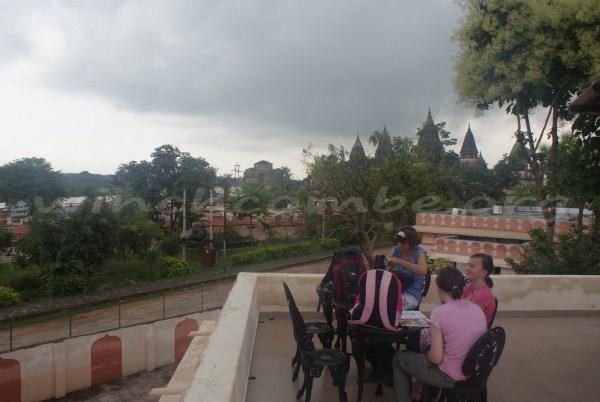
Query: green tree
[(525, 54), (351, 192), (90, 236), (506, 172), (169, 172), (42, 242), (136, 234), (6, 236), (30, 180), (251, 201)]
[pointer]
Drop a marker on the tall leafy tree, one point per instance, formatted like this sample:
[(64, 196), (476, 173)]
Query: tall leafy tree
[(525, 54), (6, 236), (169, 172), (30, 179), (350, 191), (42, 242), (90, 236)]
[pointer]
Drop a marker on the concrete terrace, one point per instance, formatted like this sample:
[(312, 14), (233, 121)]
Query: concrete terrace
[(551, 353)]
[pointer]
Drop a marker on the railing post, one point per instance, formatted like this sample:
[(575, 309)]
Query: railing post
[(70, 323)]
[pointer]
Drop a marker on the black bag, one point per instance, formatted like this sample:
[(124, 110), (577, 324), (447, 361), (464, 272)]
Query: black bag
[(343, 274)]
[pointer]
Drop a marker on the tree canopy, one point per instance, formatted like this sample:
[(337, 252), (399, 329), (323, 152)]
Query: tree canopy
[(29, 178), (526, 54), (169, 170)]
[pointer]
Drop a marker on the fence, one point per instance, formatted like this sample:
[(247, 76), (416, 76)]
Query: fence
[(70, 323)]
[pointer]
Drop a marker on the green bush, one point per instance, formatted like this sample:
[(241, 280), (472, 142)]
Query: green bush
[(271, 252), (171, 267), (332, 244), (8, 297), (66, 278), (27, 282), (169, 246)]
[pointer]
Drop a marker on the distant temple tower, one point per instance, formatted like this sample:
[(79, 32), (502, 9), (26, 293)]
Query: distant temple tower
[(357, 153), (429, 145), (468, 153)]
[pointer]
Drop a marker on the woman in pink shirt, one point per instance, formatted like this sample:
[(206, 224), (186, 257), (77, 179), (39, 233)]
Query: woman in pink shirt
[(455, 327), (478, 290)]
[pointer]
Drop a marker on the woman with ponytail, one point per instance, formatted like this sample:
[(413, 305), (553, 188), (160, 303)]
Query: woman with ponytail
[(478, 288), (455, 326)]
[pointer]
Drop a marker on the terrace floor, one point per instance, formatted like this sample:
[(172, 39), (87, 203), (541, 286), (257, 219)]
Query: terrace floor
[(545, 359)]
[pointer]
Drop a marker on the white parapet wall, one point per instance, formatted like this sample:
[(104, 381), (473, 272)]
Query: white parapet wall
[(52, 370)]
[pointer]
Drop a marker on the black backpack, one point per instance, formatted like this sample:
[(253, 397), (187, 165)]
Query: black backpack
[(379, 303), (342, 277)]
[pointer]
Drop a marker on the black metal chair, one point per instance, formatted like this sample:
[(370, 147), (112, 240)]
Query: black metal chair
[(323, 330), (339, 308), (478, 365), (425, 288), (314, 360), (494, 315), (379, 344)]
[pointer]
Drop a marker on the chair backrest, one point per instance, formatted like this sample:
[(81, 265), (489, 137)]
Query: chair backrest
[(303, 339), (484, 356), (495, 311), (426, 284)]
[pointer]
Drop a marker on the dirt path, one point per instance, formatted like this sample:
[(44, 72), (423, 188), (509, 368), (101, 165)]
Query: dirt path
[(133, 313)]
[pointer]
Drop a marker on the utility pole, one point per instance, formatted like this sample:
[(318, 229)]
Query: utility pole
[(236, 174), (225, 199), (184, 229)]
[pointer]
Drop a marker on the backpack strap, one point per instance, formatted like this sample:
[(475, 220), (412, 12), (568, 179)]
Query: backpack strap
[(383, 300)]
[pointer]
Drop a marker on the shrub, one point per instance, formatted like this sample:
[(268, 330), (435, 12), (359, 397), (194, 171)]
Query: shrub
[(66, 278), (171, 267), (27, 282), (271, 252), (332, 244), (8, 297), (169, 246)]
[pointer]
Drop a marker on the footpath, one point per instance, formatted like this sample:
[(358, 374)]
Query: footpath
[(54, 305)]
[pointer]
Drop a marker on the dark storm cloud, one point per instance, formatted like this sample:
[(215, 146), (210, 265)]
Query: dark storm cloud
[(333, 68)]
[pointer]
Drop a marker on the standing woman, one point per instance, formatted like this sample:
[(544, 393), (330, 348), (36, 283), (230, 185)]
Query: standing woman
[(478, 290), (409, 259)]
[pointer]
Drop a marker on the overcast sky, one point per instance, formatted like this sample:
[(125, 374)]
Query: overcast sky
[(90, 85)]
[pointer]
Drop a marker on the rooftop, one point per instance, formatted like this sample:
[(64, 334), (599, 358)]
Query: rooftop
[(551, 353)]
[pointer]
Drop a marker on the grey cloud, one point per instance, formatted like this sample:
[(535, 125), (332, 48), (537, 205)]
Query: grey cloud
[(337, 67)]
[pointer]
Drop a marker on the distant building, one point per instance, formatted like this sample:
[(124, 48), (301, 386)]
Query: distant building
[(358, 152), (261, 173), (469, 155), (429, 145)]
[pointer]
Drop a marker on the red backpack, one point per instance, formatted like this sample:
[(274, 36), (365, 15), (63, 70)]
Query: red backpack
[(379, 302), (344, 273)]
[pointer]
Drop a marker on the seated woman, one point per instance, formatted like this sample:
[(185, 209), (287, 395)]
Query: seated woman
[(455, 327), (478, 290), (410, 260)]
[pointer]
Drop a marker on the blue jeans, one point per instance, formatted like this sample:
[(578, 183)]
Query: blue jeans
[(409, 364), (409, 302)]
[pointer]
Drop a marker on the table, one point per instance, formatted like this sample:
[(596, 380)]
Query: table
[(362, 336)]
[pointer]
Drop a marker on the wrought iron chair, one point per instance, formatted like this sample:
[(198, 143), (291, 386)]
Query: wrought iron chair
[(323, 330), (339, 308), (495, 311), (314, 360), (478, 365), (366, 340)]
